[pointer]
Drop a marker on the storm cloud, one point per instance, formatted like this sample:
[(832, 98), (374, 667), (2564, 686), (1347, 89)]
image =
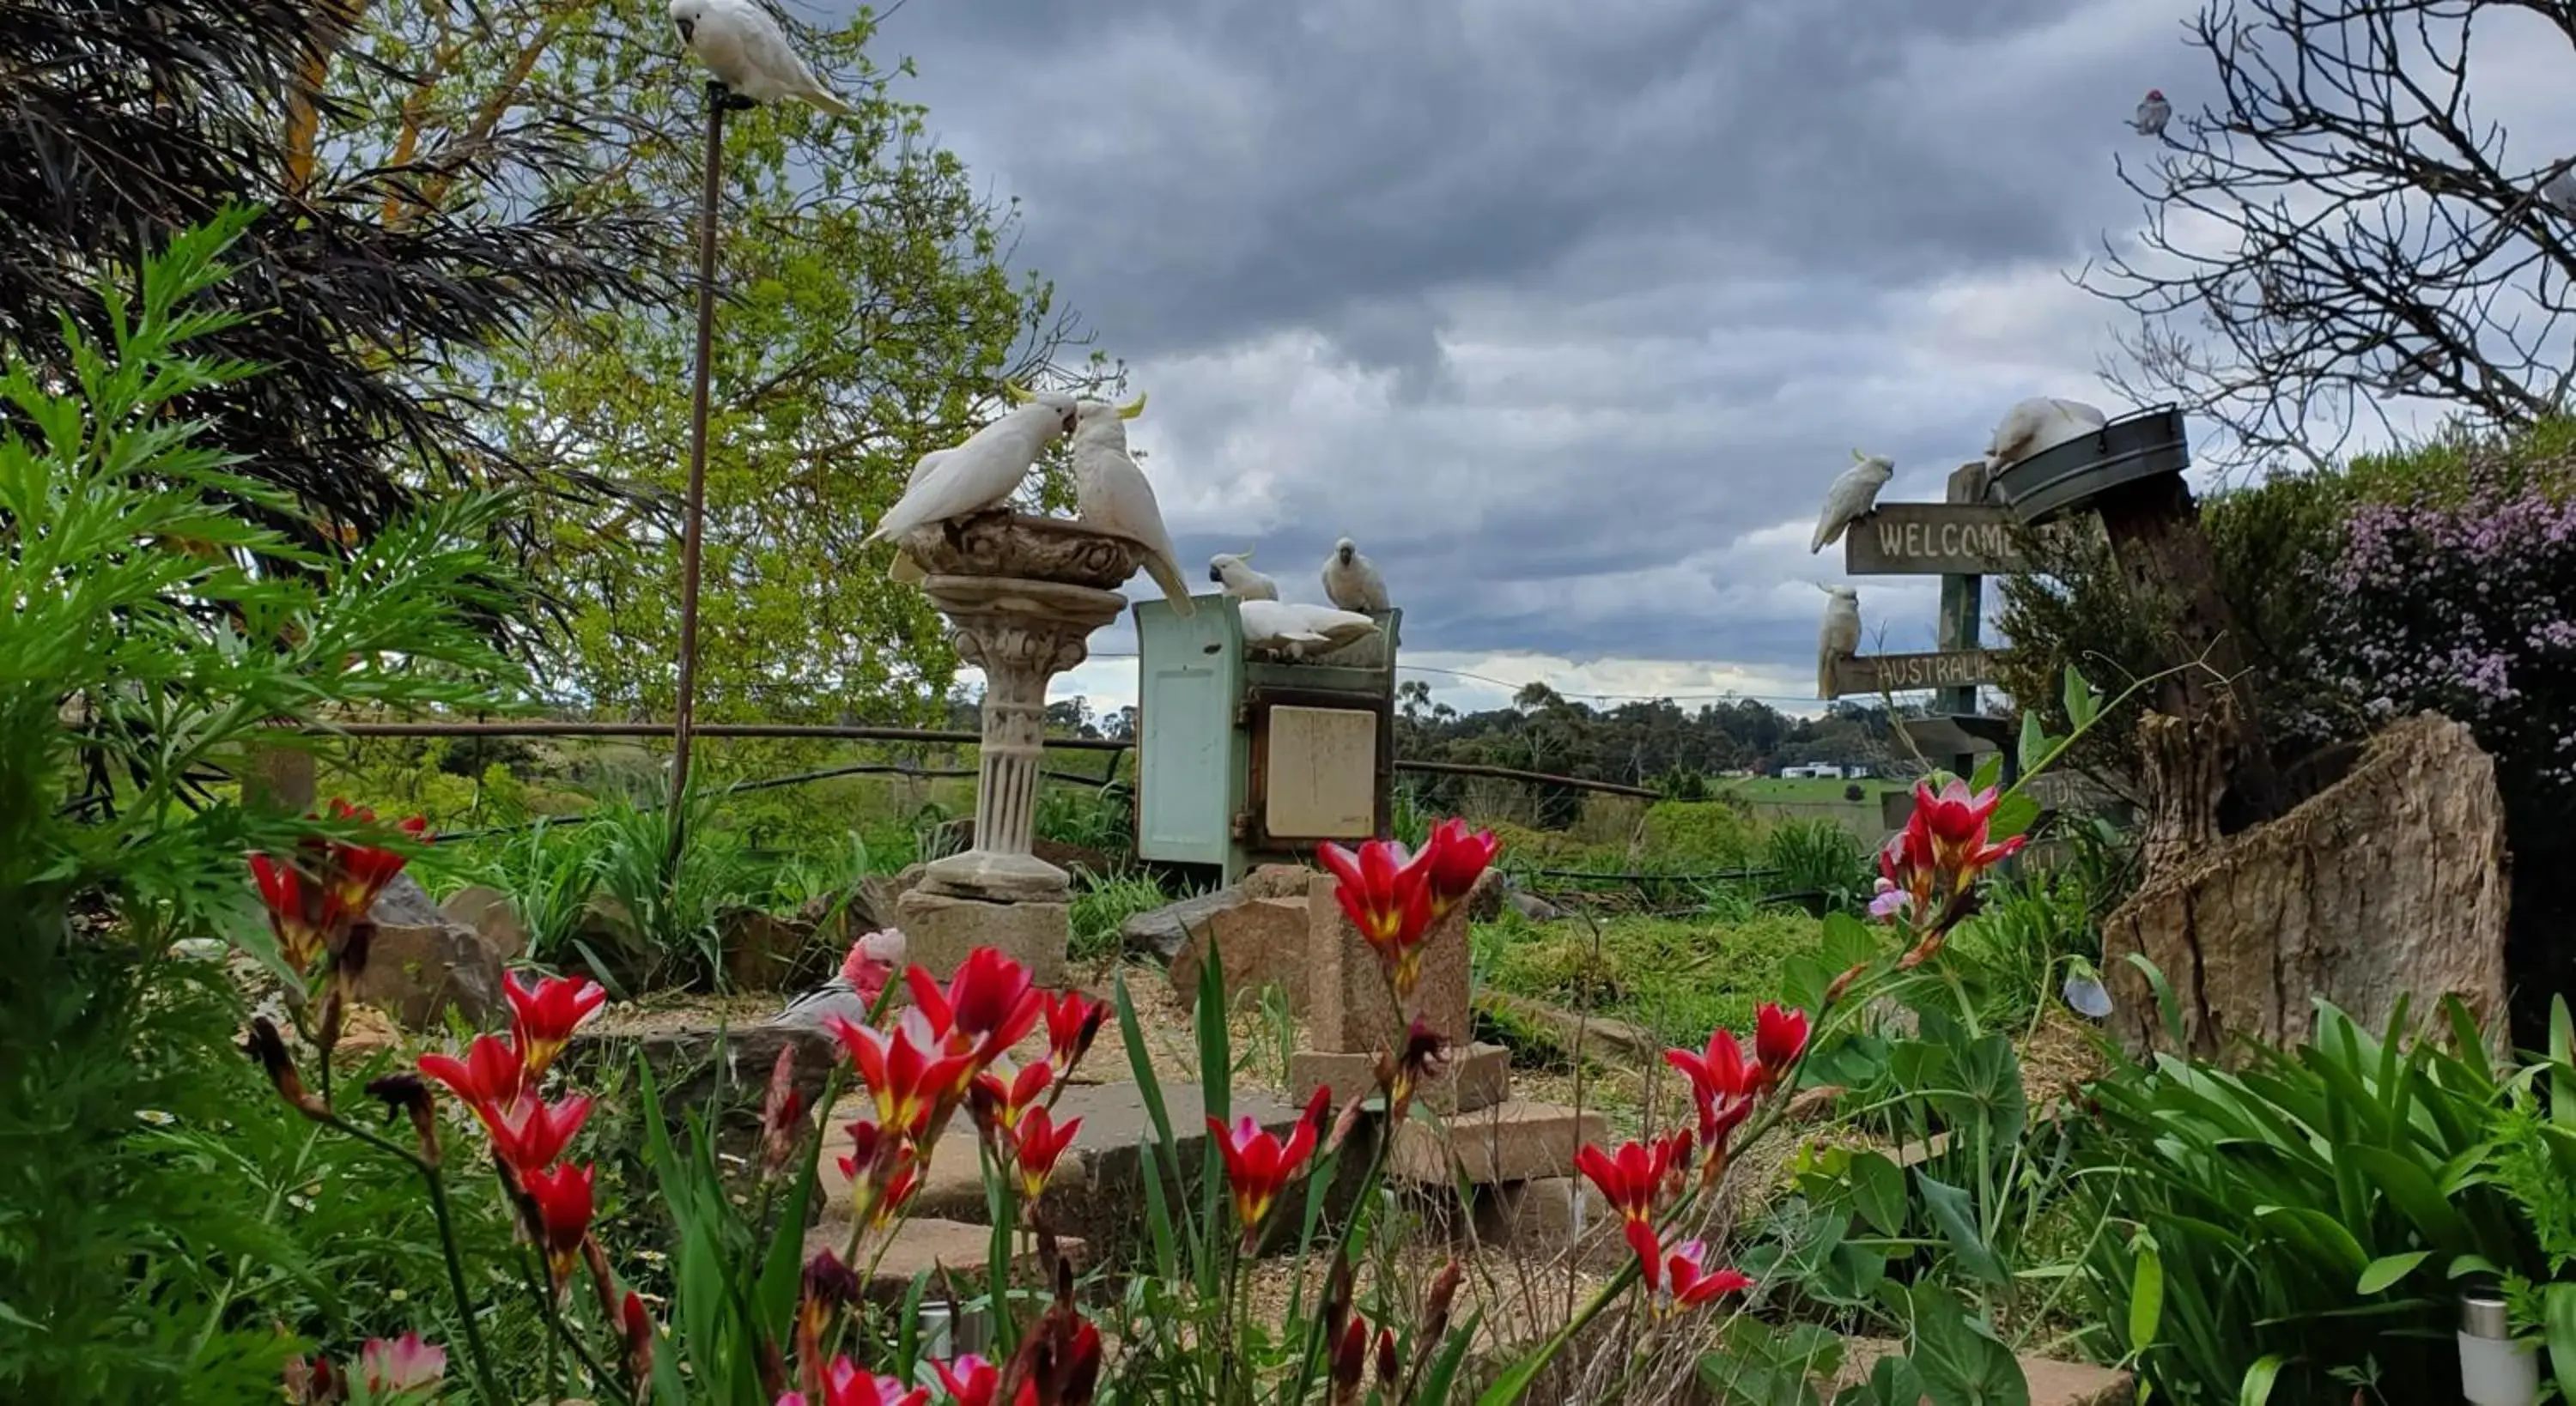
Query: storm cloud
[(1567, 313)]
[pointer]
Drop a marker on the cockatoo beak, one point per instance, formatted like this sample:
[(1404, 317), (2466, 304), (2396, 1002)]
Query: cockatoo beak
[(688, 30), (1133, 408), (1018, 392)]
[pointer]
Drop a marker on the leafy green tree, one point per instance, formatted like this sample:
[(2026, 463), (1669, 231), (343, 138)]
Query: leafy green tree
[(869, 316)]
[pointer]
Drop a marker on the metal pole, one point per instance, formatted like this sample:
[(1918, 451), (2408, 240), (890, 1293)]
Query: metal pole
[(693, 533)]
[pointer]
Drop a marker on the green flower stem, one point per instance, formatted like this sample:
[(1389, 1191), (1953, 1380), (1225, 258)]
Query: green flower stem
[(484, 1383)]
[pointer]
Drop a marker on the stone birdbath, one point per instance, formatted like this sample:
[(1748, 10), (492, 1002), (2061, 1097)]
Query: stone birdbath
[(1022, 595)]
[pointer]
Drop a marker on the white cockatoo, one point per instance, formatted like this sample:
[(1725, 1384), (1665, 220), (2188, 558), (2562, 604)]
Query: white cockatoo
[(2560, 190), (1838, 638), (2041, 422), (905, 568), (1297, 629), (1233, 571), (2153, 113), (1854, 495), (1351, 580), (1112, 494), (745, 49), (982, 472)]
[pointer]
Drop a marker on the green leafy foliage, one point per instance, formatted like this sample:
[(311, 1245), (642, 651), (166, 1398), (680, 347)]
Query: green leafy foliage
[(154, 1235), (2302, 1217)]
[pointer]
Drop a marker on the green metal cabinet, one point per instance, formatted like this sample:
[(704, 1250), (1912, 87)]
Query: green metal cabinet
[(1243, 761)]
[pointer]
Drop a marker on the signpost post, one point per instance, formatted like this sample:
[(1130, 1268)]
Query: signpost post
[(1962, 541)]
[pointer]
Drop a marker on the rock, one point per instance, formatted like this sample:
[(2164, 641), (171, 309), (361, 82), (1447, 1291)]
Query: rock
[(1548, 1217), (1277, 881), (761, 950), (404, 903), (1521, 1140), (929, 1245), (491, 913), (1163, 932), (1263, 941), (1531, 906), (2389, 884), (719, 1071), (417, 972), (940, 929)]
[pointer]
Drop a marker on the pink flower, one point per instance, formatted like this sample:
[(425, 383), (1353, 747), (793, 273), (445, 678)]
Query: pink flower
[(1681, 1277), (400, 1363)]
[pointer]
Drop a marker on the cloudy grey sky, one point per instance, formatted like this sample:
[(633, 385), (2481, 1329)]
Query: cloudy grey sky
[(1566, 311)]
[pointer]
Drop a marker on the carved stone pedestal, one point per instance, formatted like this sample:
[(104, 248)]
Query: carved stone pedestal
[(1023, 595)]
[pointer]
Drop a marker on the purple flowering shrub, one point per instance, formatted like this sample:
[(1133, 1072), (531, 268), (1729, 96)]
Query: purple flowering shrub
[(2467, 608)]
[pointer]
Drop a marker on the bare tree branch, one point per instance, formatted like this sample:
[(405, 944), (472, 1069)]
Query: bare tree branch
[(2343, 229)]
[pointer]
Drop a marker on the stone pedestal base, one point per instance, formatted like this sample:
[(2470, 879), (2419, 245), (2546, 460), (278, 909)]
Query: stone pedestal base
[(979, 873), (939, 929), (1476, 1078)]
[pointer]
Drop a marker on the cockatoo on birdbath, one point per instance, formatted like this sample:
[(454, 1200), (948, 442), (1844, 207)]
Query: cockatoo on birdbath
[(1838, 638), (1351, 580), (1854, 495), (981, 473), (2153, 113), (1112, 494), (745, 49), (1298, 630), (1233, 571), (2039, 423)]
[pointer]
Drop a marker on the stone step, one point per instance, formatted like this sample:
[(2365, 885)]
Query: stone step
[(1475, 1078), (1517, 1140), (927, 1245)]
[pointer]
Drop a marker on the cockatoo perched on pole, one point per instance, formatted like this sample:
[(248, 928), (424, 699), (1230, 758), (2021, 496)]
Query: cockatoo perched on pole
[(1298, 630), (1351, 580), (1854, 495), (1233, 571), (2153, 113), (1839, 638), (981, 473), (1112, 494), (743, 46), (2039, 423)]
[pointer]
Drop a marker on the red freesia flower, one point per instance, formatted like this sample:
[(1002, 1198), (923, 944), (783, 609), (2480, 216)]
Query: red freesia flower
[(1073, 1020), (488, 1079), (359, 872), (1010, 1093), (1349, 1364), (1954, 824), (1257, 1166), (398, 1364), (908, 1071), (1722, 1083), (561, 1196), (845, 1383), (1682, 1275), (989, 1005), (969, 1380), (635, 1326), (1455, 859), (1633, 1177), (1779, 1039), (782, 1113), (532, 1133), (1035, 1147), (542, 1020), (1387, 896), (305, 915)]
